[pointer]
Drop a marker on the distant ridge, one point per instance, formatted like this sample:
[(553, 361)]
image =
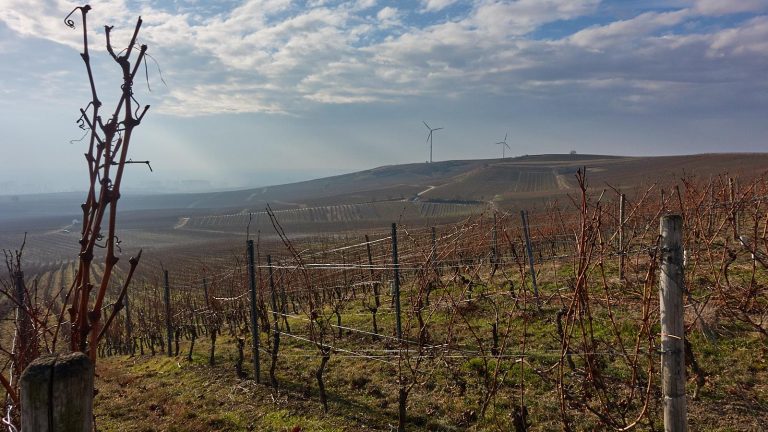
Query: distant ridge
[(500, 182)]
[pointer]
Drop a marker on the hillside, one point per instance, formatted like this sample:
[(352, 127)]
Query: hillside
[(536, 177), (526, 177), (418, 193)]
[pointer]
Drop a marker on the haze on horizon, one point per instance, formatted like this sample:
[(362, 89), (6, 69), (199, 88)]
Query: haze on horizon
[(271, 91)]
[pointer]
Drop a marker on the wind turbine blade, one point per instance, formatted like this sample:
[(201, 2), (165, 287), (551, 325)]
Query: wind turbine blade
[(507, 146), (437, 129), (425, 124), (505, 137), (429, 136)]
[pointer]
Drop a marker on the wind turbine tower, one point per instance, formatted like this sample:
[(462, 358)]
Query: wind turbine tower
[(429, 138), (504, 146)]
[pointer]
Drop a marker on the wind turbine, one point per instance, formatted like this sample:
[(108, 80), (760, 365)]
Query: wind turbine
[(429, 138), (503, 146)]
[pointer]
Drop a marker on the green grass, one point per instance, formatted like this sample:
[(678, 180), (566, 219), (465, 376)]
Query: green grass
[(160, 393)]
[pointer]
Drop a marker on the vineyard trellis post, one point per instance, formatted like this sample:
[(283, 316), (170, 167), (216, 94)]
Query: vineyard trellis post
[(622, 255), (495, 244), (57, 394), (402, 393), (710, 218), (275, 323), (284, 306), (128, 325), (376, 295), (205, 293), (732, 192), (671, 287), (26, 340), (254, 313), (434, 250), (529, 250), (168, 325), (396, 284)]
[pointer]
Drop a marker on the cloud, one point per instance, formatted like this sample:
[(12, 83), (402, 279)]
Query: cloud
[(503, 18), (388, 14), (364, 4), (727, 7), (283, 57), (748, 39), (627, 31), (436, 5)]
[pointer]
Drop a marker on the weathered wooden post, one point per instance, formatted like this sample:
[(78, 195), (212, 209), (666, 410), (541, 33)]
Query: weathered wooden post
[(671, 289), (57, 394), (376, 295), (275, 324), (205, 292), (168, 325), (622, 255), (254, 314), (396, 282), (128, 325), (402, 394), (732, 194), (711, 205), (529, 250), (26, 344), (434, 249), (494, 244)]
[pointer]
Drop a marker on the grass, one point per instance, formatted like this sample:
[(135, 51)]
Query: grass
[(157, 393)]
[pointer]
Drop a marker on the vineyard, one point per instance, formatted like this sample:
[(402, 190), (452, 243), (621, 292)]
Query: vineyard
[(547, 320), (336, 217)]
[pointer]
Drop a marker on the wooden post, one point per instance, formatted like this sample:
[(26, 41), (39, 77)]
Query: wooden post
[(284, 306), (376, 295), (671, 287), (205, 292), (734, 211), (711, 205), (529, 250), (26, 342), (254, 313), (622, 255), (396, 267), (128, 325), (402, 394), (57, 394), (434, 249), (273, 293), (275, 324), (495, 244), (168, 325)]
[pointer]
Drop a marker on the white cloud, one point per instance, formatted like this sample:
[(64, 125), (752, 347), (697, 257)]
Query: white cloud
[(627, 31), (276, 57), (388, 16), (436, 5), (503, 18), (726, 7), (387, 13), (364, 4), (749, 39)]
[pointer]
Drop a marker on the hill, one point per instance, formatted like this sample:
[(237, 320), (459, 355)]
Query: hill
[(421, 192), (537, 177)]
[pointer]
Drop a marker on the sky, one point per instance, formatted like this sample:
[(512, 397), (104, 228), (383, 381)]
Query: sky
[(258, 92)]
